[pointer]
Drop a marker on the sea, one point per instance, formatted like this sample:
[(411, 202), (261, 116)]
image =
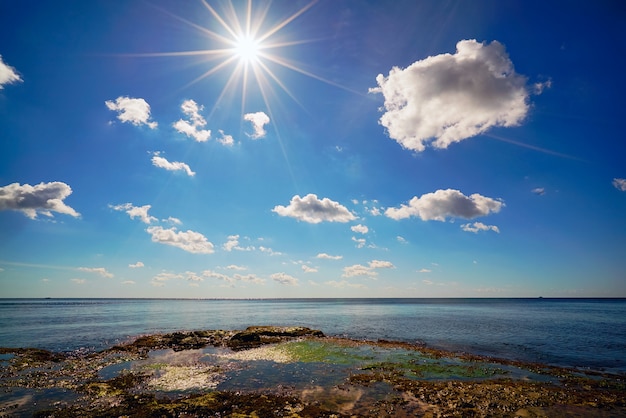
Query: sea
[(589, 334)]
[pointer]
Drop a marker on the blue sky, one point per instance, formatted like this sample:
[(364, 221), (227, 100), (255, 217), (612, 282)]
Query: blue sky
[(207, 149)]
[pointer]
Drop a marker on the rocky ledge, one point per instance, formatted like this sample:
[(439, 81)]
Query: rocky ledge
[(267, 371)]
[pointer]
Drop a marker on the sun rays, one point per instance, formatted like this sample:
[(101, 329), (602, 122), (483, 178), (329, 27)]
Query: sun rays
[(245, 46)]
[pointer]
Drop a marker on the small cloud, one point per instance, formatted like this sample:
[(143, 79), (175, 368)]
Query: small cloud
[(401, 240), (190, 241), (78, 281), (131, 110), (360, 242), (98, 270), (284, 279), (424, 271), (137, 265), (225, 139), (446, 203), (191, 127), (269, 251), (361, 229), (173, 221), (313, 210), (128, 282), (258, 121), (161, 162), (140, 212), (479, 226), (43, 199), (619, 184), (235, 267), (539, 191), (538, 88), (427, 282), (369, 270), (308, 269), (328, 256), (8, 74)]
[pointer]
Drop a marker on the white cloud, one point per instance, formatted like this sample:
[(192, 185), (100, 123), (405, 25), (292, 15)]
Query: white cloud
[(173, 221), (232, 243), (308, 269), (285, 279), (8, 74), (79, 281), (161, 162), (427, 282), (620, 184), (136, 211), (137, 265), (190, 241), (128, 282), (247, 278), (380, 264), (235, 267), (328, 256), (479, 226), (360, 242), (361, 229), (269, 251), (225, 139), (369, 270), (402, 240), (98, 270), (424, 271), (446, 203), (451, 97), (313, 210), (191, 127), (43, 199), (258, 120), (135, 111), (539, 191)]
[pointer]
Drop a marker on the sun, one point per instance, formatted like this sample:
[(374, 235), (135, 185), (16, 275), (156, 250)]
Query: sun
[(246, 49), (250, 55)]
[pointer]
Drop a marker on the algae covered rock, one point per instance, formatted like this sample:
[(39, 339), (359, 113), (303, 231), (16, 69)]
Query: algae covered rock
[(259, 335)]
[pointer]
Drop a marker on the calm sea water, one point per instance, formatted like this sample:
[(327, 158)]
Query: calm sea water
[(586, 333)]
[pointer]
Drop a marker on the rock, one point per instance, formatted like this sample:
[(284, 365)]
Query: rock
[(259, 335)]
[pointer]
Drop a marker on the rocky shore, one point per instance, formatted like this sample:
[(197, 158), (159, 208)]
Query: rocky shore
[(267, 371)]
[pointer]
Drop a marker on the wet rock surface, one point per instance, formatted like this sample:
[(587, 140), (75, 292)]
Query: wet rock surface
[(292, 372)]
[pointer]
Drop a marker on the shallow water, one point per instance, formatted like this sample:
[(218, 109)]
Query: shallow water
[(586, 333)]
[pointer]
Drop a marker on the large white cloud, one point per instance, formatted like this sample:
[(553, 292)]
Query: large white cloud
[(446, 203), (313, 210), (190, 241), (8, 74), (43, 198), (451, 97), (258, 121), (193, 127), (140, 212), (161, 162), (132, 110)]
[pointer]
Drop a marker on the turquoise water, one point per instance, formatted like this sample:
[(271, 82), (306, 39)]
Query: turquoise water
[(586, 333)]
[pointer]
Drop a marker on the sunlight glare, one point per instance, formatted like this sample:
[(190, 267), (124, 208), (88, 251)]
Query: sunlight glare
[(247, 49)]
